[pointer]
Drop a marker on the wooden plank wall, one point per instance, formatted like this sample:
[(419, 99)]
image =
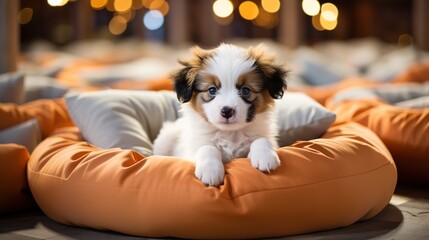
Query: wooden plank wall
[(9, 35)]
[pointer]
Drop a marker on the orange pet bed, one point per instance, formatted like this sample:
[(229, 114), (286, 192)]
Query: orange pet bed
[(343, 177), (405, 132)]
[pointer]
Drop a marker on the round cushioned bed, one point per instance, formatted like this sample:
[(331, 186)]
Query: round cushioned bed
[(347, 175), (405, 132), (399, 115)]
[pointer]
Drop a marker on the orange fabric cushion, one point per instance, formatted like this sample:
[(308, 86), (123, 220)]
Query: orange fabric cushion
[(69, 77), (404, 131), (50, 114), (418, 72), (14, 192), (346, 176), (322, 93)]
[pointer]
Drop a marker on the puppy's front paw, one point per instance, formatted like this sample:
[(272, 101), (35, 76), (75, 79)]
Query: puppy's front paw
[(210, 172), (263, 156), (208, 166)]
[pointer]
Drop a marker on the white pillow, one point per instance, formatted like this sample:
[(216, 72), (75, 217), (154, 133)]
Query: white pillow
[(121, 118), (12, 88), (27, 134), (416, 103), (133, 119), (41, 87), (299, 118), (317, 69)]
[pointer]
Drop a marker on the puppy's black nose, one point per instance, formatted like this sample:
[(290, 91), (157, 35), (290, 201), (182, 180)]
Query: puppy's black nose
[(227, 112)]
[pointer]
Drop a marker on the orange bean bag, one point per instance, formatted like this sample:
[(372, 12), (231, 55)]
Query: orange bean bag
[(322, 93), (345, 176), (14, 191), (404, 131), (50, 114)]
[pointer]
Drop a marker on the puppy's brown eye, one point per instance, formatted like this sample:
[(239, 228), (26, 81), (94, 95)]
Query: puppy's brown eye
[(245, 91), (212, 91)]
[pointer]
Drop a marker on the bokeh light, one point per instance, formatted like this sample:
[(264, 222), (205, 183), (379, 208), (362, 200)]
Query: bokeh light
[(146, 3), (25, 15), (248, 10), (122, 5), (110, 6), (315, 21), (98, 4), (329, 12), (224, 21), (223, 8), (117, 25), (311, 7), (405, 40), (164, 8), (57, 3), (155, 4), (328, 25), (128, 15), (271, 6), (153, 20), (266, 19)]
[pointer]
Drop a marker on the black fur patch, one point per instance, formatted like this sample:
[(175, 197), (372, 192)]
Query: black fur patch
[(181, 85), (275, 82), (251, 112)]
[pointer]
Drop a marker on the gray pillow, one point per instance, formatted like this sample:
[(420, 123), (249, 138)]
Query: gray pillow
[(421, 102), (387, 92), (12, 88), (27, 134)]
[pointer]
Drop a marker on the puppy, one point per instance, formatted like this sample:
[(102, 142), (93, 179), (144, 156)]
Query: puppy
[(227, 112)]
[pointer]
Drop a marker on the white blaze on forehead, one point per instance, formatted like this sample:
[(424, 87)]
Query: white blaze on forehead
[(228, 64)]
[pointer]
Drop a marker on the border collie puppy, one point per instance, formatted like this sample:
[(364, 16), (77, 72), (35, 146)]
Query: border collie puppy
[(228, 110)]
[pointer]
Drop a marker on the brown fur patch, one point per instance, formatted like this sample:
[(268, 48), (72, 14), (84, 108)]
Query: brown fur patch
[(251, 80), (260, 96), (264, 60), (196, 62), (201, 95)]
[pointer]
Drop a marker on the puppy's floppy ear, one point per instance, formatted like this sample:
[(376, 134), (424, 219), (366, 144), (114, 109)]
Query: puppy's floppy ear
[(183, 85), (184, 79), (274, 76)]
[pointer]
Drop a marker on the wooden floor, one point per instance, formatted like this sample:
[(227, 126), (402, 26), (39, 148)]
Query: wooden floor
[(406, 217)]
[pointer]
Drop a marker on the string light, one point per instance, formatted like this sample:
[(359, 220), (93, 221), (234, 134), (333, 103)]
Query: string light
[(153, 20), (57, 3), (248, 10), (25, 15), (156, 4), (271, 6), (98, 4), (327, 24), (117, 25), (311, 7), (223, 8), (122, 5), (329, 12)]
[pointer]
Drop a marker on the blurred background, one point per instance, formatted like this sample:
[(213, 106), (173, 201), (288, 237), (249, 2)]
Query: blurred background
[(322, 41), (207, 22)]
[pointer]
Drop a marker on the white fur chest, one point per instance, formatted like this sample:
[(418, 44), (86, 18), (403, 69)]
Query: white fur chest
[(232, 144)]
